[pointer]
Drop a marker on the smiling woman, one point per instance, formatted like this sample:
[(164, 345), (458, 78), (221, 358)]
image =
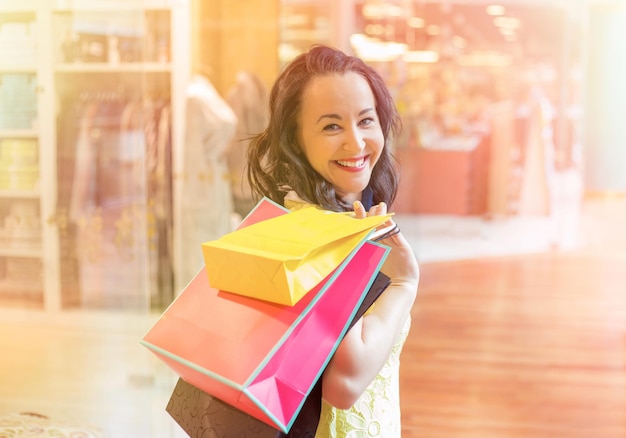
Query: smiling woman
[(327, 144)]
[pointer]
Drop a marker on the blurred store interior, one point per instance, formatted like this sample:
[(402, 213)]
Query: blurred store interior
[(123, 127)]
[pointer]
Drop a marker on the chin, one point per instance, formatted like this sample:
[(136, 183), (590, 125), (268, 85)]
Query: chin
[(352, 193)]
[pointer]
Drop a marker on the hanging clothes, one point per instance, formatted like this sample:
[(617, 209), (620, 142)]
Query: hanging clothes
[(119, 205), (249, 100), (102, 210), (205, 200)]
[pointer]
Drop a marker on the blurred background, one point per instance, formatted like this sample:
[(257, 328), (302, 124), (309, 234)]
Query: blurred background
[(123, 130)]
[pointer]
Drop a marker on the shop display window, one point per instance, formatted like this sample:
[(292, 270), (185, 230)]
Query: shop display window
[(86, 137)]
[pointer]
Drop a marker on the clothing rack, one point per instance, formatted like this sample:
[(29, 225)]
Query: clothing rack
[(114, 155)]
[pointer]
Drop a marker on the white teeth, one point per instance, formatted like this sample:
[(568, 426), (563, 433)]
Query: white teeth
[(358, 163)]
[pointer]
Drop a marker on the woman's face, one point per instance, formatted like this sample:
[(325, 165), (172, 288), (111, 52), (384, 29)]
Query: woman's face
[(339, 131)]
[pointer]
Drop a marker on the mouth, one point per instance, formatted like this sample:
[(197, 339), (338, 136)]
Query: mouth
[(352, 164)]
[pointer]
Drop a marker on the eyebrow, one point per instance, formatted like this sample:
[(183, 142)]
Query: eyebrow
[(336, 116)]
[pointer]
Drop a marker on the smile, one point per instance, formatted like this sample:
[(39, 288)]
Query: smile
[(353, 164)]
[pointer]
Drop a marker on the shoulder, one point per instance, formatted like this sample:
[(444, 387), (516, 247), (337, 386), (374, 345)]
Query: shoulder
[(294, 202)]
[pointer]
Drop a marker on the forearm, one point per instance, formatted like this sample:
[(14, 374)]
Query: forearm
[(365, 349), (383, 323), (367, 346)]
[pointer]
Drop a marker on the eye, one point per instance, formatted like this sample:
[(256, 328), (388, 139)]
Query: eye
[(367, 121), (331, 127)]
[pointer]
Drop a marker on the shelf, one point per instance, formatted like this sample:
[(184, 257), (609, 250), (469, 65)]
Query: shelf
[(30, 69), (19, 194), (68, 6), (18, 133), (103, 67), (108, 9), (24, 299), (17, 12), (24, 295), (8, 251)]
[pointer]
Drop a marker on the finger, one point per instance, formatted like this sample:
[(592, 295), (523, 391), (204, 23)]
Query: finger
[(388, 224), (359, 210), (382, 207), (376, 210)]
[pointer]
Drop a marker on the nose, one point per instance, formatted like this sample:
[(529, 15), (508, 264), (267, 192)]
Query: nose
[(354, 140)]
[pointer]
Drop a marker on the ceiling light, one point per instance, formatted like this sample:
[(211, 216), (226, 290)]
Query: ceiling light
[(382, 10), (373, 11), (395, 11), (375, 29), (509, 22), (415, 22), (370, 49), (495, 10), (421, 56)]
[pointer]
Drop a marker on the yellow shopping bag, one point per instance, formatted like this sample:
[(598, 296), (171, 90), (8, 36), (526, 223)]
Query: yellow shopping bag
[(282, 258)]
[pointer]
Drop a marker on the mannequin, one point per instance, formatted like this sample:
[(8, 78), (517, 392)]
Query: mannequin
[(205, 194), (538, 171), (248, 99)]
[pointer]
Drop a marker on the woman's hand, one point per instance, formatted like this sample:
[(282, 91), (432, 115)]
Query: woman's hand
[(401, 264)]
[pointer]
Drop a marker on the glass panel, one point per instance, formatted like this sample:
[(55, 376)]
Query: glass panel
[(113, 157), (20, 223)]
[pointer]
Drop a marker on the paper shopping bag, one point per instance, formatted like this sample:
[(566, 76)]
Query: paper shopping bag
[(282, 258), (199, 413), (261, 357)]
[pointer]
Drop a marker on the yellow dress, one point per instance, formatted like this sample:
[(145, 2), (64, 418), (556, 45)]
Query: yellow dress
[(377, 412)]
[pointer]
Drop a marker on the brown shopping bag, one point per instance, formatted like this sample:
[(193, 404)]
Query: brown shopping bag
[(200, 414)]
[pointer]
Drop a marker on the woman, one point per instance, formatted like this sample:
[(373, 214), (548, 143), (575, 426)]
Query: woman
[(327, 143)]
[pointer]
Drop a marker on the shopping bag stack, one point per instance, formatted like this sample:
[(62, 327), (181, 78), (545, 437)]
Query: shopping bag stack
[(200, 414), (257, 326)]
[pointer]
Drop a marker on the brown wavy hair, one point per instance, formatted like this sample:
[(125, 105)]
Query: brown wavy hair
[(276, 161)]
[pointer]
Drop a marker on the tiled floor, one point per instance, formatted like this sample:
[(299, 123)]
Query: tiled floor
[(90, 368), (85, 369)]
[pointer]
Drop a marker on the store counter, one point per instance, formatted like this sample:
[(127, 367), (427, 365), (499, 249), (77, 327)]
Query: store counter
[(449, 178)]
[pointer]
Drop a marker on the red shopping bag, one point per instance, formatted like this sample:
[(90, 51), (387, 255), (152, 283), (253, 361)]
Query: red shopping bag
[(260, 357)]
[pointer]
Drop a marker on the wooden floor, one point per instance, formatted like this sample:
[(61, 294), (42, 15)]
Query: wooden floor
[(530, 346), (522, 346)]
